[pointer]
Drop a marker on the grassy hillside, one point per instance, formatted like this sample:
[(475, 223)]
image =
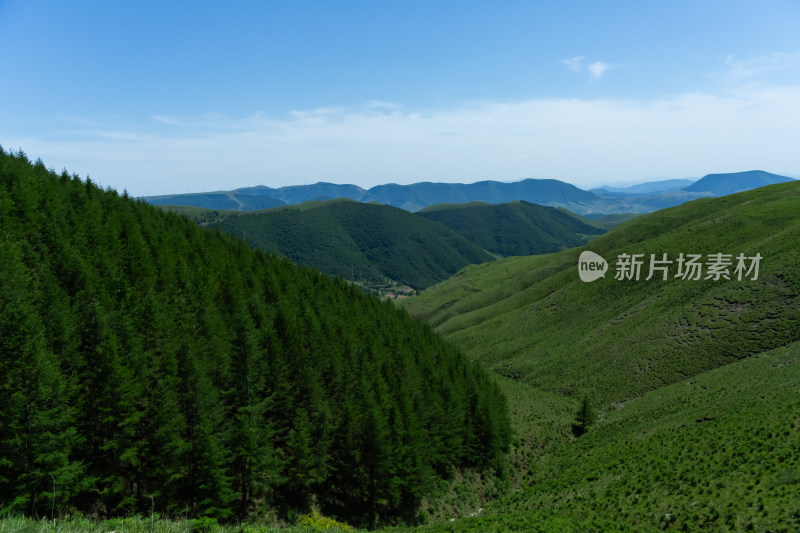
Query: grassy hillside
[(516, 228), (361, 242), (607, 221), (695, 384), (150, 365), (533, 318), (714, 452)]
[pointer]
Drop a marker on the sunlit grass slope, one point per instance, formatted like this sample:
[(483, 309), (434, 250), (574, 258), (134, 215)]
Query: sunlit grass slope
[(532, 319), (715, 452)]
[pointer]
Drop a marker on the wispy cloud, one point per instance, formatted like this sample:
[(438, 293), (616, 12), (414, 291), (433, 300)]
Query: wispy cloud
[(595, 70), (758, 66), (581, 141), (381, 104), (164, 119), (598, 68), (574, 63)]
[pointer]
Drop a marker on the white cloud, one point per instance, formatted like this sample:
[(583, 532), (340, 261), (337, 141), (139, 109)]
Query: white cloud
[(164, 119), (759, 66), (585, 142), (574, 63), (595, 70), (598, 68), (381, 104)]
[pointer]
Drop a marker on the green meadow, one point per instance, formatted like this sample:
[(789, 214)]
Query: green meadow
[(695, 384)]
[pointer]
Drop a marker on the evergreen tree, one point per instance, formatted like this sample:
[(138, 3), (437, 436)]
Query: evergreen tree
[(583, 418), (144, 359)]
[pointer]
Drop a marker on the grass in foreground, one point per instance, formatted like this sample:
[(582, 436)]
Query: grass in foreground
[(715, 452), (307, 524)]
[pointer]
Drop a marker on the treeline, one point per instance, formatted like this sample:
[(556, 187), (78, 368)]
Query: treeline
[(145, 361)]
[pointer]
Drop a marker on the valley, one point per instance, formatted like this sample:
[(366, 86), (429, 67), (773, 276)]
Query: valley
[(172, 365), (380, 247)]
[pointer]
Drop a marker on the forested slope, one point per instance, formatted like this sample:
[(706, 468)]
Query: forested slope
[(360, 242), (513, 228), (147, 361)]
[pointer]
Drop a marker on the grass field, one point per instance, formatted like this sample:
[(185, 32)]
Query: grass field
[(532, 319), (696, 384), (310, 524)]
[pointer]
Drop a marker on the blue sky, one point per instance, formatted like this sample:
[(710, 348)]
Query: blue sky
[(167, 97)]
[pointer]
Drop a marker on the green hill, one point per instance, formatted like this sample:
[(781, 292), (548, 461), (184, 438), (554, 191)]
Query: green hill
[(367, 243), (715, 452), (150, 365), (515, 228), (694, 383), (626, 337), (603, 221)]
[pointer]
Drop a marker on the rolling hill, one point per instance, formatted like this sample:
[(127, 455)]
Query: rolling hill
[(517, 228), (693, 381), (670, 328), (376, 245), (367, 243), (151, 367)]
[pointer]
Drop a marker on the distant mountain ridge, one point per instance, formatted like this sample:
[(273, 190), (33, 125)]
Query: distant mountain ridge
[(642, 198), (409, 197), (647, 187), (722, 184)]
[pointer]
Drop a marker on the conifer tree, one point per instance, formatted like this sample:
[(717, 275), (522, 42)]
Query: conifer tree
[(583, 418), (144, 359)]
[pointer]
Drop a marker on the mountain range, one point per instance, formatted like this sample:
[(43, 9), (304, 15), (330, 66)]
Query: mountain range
[(643, 198)]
